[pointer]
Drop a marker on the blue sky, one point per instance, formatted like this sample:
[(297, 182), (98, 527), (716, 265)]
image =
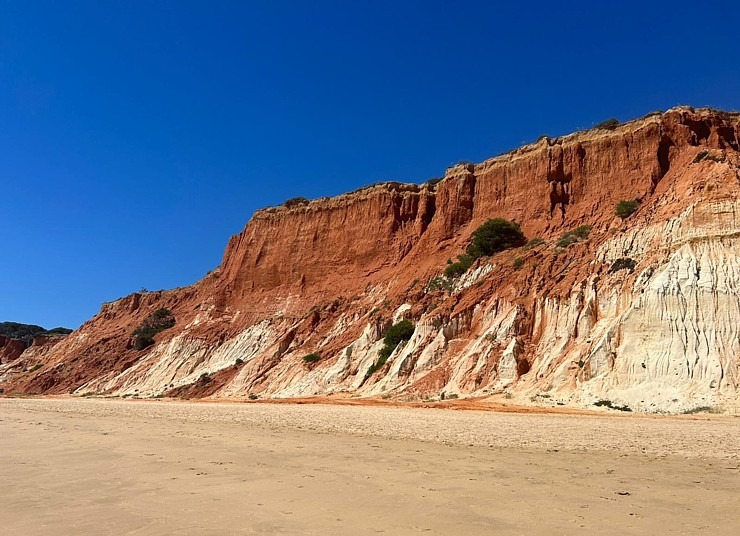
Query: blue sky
[(136, 137)]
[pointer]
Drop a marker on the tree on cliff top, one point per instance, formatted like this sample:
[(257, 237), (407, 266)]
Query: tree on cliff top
[(296, 202)]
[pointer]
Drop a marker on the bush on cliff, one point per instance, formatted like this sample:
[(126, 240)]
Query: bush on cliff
[(158, 321), (609, 124), (625, 209), (537, 241), (142, 342), (296, 202), (624, 263), (456, 269), (395, 334), (493, 236), (576, 235), (393, 337)]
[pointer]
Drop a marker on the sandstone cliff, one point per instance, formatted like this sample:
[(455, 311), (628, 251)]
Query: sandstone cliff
[(330, 276)]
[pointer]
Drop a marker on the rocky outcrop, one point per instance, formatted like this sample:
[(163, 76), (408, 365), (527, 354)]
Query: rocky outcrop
[(10, 349), (560, 326)]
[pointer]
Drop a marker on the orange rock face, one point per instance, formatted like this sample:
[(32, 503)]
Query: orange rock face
[(330, 275), (10, 349)]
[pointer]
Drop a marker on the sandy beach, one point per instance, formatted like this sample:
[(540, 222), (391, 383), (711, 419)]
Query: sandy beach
[(107, 467)]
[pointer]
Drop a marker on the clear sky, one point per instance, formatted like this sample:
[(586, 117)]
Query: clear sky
[(136, 137)]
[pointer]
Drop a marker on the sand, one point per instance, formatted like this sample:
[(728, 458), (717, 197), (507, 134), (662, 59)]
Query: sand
[(97, 467)]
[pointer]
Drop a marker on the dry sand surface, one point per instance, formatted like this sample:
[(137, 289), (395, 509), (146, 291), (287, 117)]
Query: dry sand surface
[(99, 467)]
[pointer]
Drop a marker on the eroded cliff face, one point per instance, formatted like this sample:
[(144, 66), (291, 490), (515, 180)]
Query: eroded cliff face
[(330, 276), (10, 349)]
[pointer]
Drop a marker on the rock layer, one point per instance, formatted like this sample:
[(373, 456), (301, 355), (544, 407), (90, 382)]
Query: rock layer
[(331, 275)]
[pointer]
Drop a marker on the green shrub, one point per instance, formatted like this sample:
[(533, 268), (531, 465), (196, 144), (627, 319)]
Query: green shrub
[(253, 396), (311, 358), (576, 235), (535, 242), (393, 337), (609, 124), (518, 263), (439, 283), (158, 321), (296, 202), (623, 264), (458, 268), (582, 232), (142, 342), (376, 366), (609, 404), (238, 362), (35, 367), (493, 236), (395, 334), (701, 409), (204, 379), (625, 209)]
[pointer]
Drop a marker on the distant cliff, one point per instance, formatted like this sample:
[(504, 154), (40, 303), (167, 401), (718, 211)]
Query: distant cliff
[(16, 338), (639, 311), (26, 332)]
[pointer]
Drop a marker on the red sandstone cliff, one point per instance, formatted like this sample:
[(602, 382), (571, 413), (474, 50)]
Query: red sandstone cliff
[(329, 275), (10, 349)]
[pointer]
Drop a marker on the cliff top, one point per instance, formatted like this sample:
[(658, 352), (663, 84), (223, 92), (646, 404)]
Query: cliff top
[(603, 130)]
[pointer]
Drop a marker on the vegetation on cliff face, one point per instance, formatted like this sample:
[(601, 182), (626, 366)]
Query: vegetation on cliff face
[(158, 321), (576, 235), (609, 124), (493, 236), (26, 332), (402, 331), (393, 337), (625, 209), (311, 358), (296, 202), (624, 263)]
